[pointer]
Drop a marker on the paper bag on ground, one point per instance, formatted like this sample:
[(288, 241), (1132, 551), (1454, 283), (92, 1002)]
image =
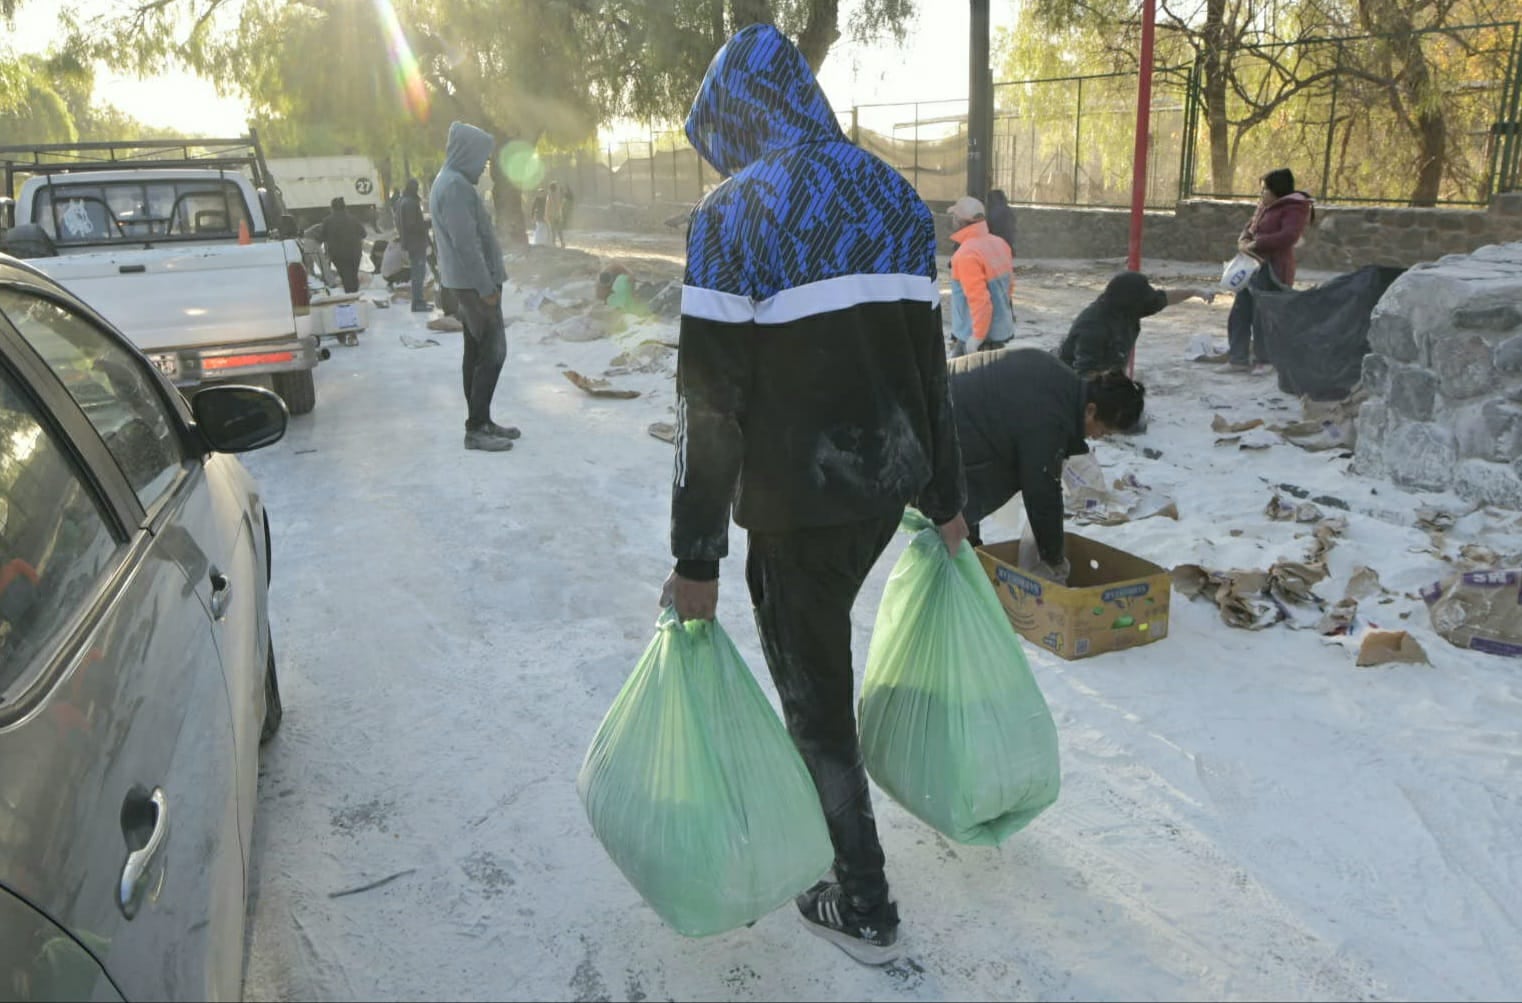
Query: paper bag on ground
[(1383, 647), (1481, 610)]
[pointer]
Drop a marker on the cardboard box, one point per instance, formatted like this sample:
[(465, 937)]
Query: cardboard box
[(1113, 599)]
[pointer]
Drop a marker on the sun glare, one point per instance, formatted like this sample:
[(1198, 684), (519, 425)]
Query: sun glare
[(404, 65)]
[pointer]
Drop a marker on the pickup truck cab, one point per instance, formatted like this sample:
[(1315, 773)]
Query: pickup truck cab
[(180, 254)]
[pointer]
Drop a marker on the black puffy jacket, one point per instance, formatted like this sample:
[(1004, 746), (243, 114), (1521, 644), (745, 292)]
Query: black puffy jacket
[(1019, 416)]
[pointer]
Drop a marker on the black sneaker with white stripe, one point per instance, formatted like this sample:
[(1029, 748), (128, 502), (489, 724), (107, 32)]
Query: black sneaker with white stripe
[(870, 938)]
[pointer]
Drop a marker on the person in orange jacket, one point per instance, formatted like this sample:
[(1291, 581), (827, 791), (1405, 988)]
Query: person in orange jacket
[(982, 282)]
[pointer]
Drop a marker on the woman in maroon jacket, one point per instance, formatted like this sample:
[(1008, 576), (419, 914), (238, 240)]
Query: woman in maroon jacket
[(1276, 226)]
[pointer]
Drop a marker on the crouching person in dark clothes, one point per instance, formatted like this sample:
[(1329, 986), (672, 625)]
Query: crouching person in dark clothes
[(1104, 334), (1020, 414), (812, 395)]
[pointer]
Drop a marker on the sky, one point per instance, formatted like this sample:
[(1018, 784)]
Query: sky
[(932, 64)]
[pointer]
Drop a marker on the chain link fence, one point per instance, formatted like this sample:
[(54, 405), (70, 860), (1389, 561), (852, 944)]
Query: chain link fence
[(1333, 110), (1428, 118)]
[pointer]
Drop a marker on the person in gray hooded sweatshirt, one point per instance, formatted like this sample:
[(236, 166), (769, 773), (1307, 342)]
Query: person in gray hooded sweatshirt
[(470, 265)]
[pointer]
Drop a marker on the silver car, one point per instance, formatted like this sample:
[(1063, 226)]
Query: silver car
[(137, 675)]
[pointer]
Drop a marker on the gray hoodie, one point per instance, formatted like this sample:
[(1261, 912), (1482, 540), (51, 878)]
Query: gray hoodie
[(469, 255)]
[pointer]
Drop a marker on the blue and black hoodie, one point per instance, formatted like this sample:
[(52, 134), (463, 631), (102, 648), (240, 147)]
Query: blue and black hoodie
[(811, 375)]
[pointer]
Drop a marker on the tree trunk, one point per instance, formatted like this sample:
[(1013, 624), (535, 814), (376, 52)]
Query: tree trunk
[(1431, 127), (1217, 79), (716, 21), (743, 12), (1413, 86), (1433, 137), (507, 208), (820, 32)]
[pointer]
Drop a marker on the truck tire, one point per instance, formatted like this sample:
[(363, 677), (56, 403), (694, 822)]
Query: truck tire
[(297, 390)]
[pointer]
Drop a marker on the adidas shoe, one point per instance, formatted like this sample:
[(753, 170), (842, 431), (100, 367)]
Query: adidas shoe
[(870, 938)]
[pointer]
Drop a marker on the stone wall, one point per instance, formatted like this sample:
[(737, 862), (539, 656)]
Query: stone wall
[(1344, 237), (1445, 379)]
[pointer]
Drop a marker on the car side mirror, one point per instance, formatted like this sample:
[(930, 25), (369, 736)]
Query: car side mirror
[(233, 419)]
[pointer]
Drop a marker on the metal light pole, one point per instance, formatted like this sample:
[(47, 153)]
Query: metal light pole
[(980, 104), (1139, 158)]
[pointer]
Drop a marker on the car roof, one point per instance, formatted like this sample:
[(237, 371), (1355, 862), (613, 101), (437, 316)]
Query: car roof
[(14, 270)]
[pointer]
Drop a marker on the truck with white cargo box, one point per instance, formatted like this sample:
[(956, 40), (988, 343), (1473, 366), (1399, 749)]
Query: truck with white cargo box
[(182, 244), (310, 184)]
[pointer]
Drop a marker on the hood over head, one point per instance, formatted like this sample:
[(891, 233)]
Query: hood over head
[(468, 149), (758, 96), (1129, 291), (411, 187)]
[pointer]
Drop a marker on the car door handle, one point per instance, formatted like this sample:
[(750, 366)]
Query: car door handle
[(221, 594), (140, 812)]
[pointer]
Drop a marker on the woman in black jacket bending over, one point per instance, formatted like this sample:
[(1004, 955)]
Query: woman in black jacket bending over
[(1020, 414)]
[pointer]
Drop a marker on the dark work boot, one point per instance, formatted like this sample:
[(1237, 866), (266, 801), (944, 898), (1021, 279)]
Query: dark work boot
[(483, 439)]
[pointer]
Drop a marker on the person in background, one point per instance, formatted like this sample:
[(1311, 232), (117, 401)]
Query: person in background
[(615, 287), (554, 214), (1104, 334), (1270, 236), (378, 248), (470, 266), (1020, 414), (538, 206), (812, 403), (412, 227), (982, 282), (567, 205), (395, 265), (343, 237), (1001, 218)]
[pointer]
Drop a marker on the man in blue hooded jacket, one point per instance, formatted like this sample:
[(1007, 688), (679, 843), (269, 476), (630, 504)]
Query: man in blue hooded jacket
[(470, 265), (813, 402)]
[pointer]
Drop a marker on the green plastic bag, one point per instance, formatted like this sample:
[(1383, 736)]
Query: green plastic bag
[(953, 725), (697, 792)]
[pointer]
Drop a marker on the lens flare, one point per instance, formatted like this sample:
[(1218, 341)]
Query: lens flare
[(521, 165), (406, 75)]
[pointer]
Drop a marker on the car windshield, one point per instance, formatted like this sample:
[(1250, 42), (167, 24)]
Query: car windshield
[(127, 211)]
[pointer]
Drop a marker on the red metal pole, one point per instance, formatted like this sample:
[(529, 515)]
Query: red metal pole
[(1139, 160)]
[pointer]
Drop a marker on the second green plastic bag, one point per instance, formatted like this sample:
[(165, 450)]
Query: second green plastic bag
[(696, 791), (953, 725)]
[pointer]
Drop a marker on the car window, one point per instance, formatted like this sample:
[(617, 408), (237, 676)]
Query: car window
[(55, 545), (127, 211), (112, 386)]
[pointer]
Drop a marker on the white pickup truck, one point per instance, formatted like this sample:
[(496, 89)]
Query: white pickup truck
[(174, 244)]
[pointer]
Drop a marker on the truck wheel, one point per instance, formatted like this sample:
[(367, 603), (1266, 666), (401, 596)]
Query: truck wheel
[(297, 390)]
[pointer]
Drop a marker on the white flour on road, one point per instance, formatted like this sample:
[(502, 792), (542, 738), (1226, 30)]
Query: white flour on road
[(1244, 815)]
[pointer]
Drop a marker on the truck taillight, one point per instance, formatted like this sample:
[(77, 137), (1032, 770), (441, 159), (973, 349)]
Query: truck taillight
[(301, 294)]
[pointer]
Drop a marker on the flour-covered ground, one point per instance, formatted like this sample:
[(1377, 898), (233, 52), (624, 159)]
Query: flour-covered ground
[(1244, 815)]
